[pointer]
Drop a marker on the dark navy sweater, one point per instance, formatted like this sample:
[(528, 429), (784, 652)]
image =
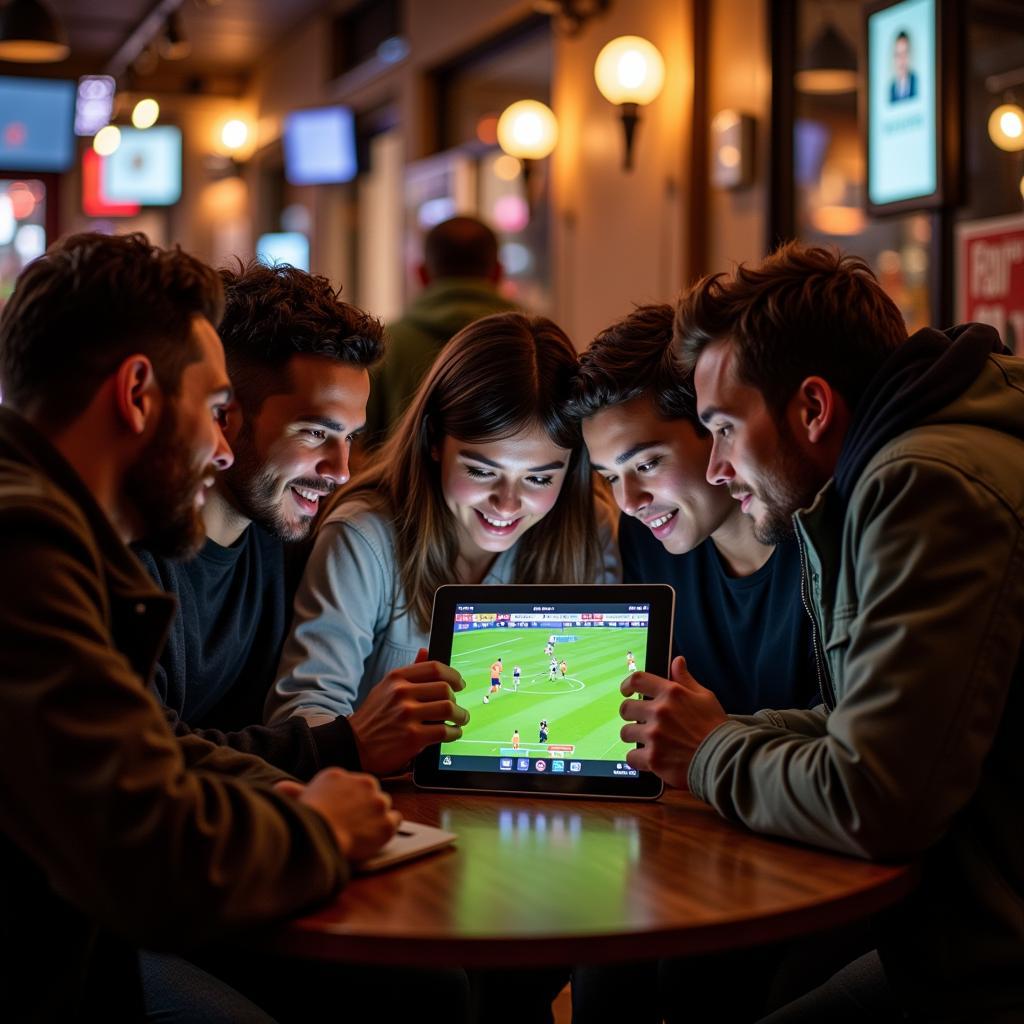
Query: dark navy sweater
[(746, 638), (222, 653)]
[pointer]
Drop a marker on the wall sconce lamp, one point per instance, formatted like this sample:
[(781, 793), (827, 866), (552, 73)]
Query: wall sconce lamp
[(1006, 127), (232, 147), (30, 33), (527, 130), (630, 73)]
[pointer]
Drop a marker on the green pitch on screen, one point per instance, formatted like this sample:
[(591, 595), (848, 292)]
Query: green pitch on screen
[(581, 709)]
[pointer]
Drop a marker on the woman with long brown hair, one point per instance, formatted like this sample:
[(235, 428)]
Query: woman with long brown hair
[(485, 480)]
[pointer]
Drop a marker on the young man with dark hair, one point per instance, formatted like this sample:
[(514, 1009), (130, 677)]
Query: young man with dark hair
[(897, 463), (113, 834), (738, 620), (298, 357)]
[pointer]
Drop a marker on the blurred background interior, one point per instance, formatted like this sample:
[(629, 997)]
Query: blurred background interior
[(334, 135)]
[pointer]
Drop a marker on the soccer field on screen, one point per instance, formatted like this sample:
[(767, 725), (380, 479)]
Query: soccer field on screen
[(581, 709)]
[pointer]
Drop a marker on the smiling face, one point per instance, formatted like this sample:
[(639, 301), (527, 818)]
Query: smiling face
[(761, 464), (295, 450), (498, 490), (657, 469)]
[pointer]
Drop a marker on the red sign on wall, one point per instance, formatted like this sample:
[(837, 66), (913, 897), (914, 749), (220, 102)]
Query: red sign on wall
[(990, 276)]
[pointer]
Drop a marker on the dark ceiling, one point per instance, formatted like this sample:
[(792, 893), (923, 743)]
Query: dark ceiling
[(228, 38)]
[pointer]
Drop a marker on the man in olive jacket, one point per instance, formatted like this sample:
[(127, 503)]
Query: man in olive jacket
[(113, 833), (900, 464), (460, 274)]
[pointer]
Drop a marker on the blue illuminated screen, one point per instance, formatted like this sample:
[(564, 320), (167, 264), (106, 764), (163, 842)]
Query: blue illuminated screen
[(902, 104), (37, 118), (145, 168), (320, 146)]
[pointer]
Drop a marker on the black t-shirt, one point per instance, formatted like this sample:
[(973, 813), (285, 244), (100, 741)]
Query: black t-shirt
[(222, 653), (746, 638)]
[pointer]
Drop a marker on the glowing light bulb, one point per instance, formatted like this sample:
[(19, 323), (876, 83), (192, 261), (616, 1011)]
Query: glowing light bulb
[(527, 130), (106, 140), (234, 134), (145, 113), (1006, 127), (629, 69)]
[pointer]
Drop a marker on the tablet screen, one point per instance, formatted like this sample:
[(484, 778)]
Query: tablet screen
[(542, 686)]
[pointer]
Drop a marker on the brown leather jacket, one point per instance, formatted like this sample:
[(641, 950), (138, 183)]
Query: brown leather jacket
[(114, 834)]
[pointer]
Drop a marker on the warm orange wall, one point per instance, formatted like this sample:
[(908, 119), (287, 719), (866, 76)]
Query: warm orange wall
[(619, 236), (739, 78)]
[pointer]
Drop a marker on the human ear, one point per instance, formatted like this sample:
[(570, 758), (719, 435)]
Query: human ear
[(817, 406), (137, 393)]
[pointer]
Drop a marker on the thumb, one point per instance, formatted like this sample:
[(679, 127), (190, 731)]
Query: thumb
[(679, 672), (421, 656), (289, 788)]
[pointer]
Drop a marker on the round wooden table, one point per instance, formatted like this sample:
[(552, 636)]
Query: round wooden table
[(543, 882)]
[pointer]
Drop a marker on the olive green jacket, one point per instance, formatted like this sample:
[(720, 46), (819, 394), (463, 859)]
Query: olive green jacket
[(916, 591), (434, 316), (114, 834)]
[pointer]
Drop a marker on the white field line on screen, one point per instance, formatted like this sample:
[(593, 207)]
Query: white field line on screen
[(617, 743), (477, 650)]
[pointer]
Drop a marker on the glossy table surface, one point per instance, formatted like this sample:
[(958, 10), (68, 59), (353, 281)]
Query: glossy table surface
[(541, 882)]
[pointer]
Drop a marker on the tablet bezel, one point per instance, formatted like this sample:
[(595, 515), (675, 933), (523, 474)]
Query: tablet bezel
[(427, 774)]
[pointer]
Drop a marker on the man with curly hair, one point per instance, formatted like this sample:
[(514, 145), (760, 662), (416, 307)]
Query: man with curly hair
[(298, 358)]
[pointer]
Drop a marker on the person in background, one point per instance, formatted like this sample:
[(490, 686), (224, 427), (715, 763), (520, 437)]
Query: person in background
[(299, 360), (896, 462), (460, 274), (114, 834)]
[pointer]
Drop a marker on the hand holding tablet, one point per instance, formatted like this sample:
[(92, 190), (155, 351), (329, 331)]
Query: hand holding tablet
[(542, 667)]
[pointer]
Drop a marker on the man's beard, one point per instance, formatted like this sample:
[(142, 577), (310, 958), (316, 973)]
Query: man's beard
[(162, 487), (257, 493), (788, 484)]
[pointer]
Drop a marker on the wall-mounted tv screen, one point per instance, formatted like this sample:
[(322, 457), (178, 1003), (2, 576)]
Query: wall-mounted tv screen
[(291, 247), (320, 146), (37, 117), (905, 98), (145, 168)]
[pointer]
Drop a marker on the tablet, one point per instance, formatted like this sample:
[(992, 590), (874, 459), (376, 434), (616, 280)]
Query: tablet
[(543, 666)]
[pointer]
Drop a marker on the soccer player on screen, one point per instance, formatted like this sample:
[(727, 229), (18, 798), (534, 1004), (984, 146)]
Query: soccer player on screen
[(543, 730), (515, 739), (630, 662), (496, 670), (516, 673), (563, 667), (552, 669)]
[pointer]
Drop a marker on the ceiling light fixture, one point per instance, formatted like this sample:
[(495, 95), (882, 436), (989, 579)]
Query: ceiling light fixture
[(173, 44), (30, 33), (829, 66)]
